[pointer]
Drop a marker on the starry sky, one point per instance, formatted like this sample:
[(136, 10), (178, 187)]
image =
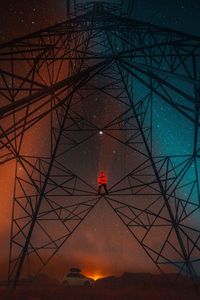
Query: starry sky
[(117, 253), (19, 18)]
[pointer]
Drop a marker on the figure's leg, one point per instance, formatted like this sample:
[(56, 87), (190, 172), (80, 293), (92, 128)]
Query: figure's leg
[(105, 188), (99, 189)]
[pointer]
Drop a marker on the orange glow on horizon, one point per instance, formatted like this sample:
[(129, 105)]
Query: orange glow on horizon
[(95, 276)]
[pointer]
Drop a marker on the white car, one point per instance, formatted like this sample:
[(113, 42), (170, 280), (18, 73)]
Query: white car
[(77, 278)]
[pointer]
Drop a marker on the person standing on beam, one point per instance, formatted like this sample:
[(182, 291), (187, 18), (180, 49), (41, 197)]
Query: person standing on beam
[(102, 181)]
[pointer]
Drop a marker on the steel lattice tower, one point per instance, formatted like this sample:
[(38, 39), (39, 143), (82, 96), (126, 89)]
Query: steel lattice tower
[(51, 81)]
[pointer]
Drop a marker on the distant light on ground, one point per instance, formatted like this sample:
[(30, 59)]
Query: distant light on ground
[(95, 276), (100, 132)]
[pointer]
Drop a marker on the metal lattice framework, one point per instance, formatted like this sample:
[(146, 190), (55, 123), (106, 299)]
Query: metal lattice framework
[(52, 85)]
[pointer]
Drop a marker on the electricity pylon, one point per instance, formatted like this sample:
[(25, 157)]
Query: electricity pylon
[(102, 72)]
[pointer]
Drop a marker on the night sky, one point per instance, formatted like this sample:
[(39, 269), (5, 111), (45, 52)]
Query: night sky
[(21, 17), (104, 246)]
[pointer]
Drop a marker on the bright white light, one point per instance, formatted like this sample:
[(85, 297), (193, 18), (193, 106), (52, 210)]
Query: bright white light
[(100, 132)]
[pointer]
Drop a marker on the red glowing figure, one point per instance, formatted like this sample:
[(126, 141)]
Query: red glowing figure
[(102, 181)]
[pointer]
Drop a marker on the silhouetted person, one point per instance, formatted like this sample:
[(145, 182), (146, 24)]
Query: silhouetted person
[(102, 181)]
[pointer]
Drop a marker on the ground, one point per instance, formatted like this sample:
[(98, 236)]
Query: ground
[(98, 293), (129, 286)]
